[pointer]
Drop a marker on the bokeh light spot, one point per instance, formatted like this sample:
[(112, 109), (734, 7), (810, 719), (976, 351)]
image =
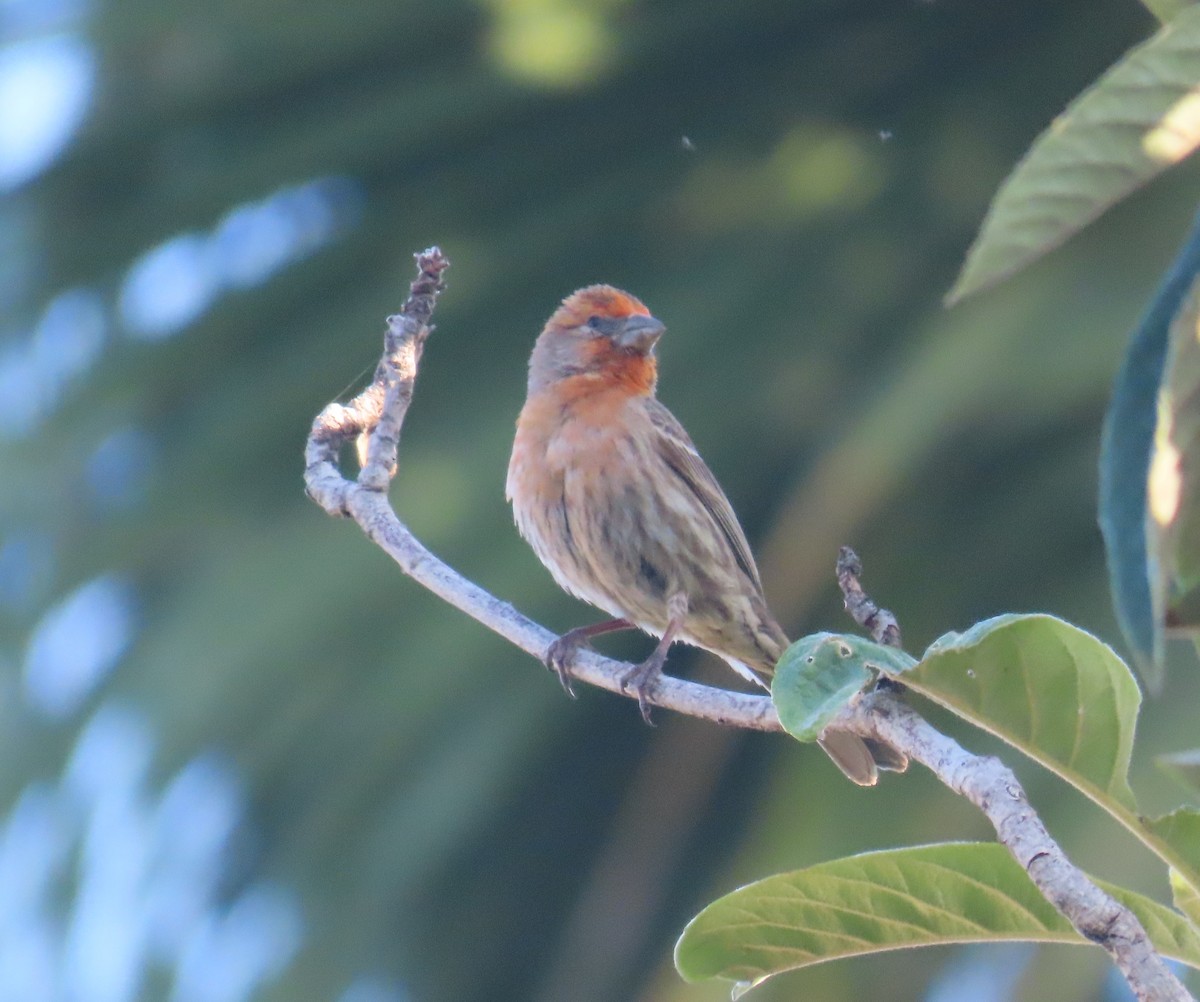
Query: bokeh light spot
[(45, 89), (550, 42), (1177, 133), (813, 170), (110, 757), (70, 336), (231, 955), (174, 284), (36, 371), (168, 287), (77, 643)]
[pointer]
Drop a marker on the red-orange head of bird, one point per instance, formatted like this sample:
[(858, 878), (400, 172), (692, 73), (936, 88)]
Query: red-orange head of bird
[(599, 333)]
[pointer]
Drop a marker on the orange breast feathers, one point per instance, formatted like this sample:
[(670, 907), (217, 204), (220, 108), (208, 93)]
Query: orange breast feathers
[(575, 417)]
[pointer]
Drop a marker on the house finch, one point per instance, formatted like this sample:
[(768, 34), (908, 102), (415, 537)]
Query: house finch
[(615, 500)]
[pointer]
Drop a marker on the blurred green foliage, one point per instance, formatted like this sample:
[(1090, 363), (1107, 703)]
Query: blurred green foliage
[(791, 188)]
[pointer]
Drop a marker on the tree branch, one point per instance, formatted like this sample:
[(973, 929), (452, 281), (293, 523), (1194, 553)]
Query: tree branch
[(992, 787), (375, 417), (365, 501)]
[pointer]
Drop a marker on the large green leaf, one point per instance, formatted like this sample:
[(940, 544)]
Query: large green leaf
[(1140, 117), (818, 675), (1126, 448), (1046, 687), (902, 898), (1064, 698)]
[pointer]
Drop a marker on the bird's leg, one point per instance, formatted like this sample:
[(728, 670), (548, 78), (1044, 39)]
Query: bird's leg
[(562, 651), (643, 678)]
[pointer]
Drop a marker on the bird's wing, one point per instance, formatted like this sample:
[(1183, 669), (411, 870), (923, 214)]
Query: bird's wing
[(684, 461)]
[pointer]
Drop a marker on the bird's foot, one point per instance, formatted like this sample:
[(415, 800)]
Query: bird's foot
[(561, 653), (642, 680)]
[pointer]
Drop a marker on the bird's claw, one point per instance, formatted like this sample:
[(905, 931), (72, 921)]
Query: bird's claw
[(643, 681), (559, 656)]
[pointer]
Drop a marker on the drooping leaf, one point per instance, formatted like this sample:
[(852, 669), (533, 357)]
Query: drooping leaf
[(1140, 117), (1048, 688), (897, 899), (1126, 447), (818, 675), (1173, 523)]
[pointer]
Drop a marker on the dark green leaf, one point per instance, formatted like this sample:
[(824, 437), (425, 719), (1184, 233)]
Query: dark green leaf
[(1173, 488), (1125, 452)]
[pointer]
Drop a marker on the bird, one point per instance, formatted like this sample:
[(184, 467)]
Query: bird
[(612, 495)]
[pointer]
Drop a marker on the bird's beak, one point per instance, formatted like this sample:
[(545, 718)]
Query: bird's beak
[(639, 333)]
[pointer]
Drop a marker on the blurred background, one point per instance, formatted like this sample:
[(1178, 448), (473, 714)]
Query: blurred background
[(221, 780)]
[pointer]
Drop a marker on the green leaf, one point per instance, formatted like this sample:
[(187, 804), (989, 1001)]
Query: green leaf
[(1164, 10), (1126, 447), (1184, 766), (1173, 488), (1046, 687), (896, 899), (1067, 701), (1142, 116), (1175, 837), (820, 673), (1186, 897)]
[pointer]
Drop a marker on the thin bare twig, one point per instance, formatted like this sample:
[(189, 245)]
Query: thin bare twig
[(880, 623), (378, 413)]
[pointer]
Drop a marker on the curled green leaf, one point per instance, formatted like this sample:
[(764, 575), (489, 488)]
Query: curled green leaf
[(819, 674)]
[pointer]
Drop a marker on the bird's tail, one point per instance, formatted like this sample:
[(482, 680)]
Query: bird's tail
[(861, 759)]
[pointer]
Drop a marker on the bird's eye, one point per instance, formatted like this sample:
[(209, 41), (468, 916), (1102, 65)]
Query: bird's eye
[(595, 323)]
